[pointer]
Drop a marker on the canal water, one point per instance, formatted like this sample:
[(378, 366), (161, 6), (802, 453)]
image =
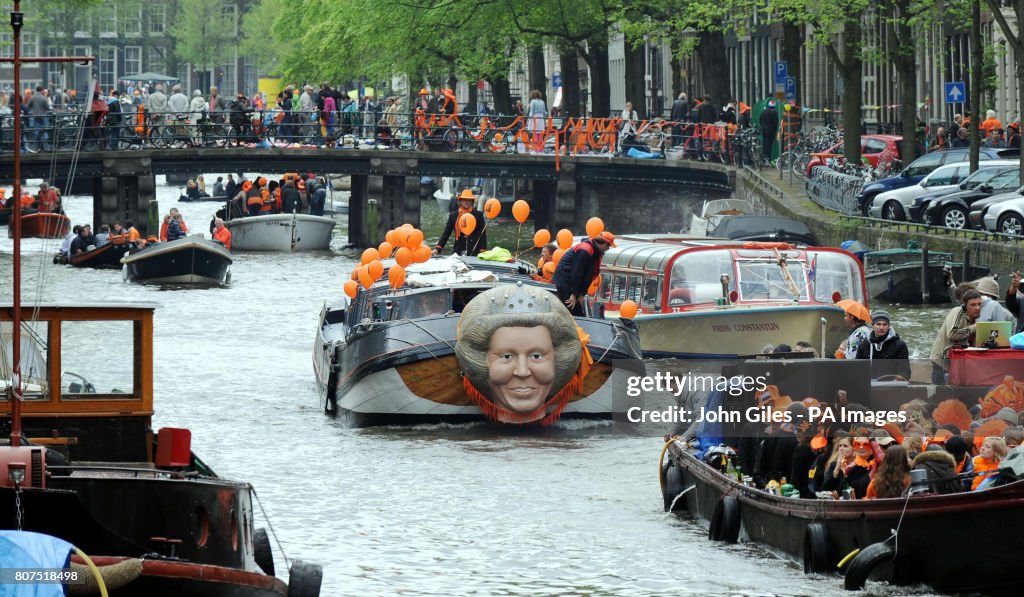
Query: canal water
[(434, 510)]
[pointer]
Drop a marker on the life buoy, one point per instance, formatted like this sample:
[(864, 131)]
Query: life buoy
[(262, 552), (672, 486), (817, 549), (304, 579), (864, 563), (725, 522)]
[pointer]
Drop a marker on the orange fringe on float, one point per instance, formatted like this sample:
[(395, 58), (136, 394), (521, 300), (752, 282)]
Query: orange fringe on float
[(496, 413), (952, 411)]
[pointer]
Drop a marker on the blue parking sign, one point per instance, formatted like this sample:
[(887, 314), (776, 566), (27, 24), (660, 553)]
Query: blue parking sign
[(781, 72), (790, 88)]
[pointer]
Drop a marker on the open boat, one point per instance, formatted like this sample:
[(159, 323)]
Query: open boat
[(281, 232), (713, 298), (102, 257), (713, 211), (188, 260), (901, 276), (389, 357), (907, 537), (43, 225)]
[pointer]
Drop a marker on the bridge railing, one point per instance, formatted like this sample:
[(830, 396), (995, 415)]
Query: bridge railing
[(418, 130)]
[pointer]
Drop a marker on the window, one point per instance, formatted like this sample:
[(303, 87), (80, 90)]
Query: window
[(132, 60), (1006, 180), (835, 272), (229, 17), (29, 44), (130, 22), (874, 146), (924, 165), (108, 68), (635, 286), (83, 25), (157, 18), (697, 277), (87, 372), (33, 357), (108, 19), (618, 288), (942, 177), (766, 281), (604, 291), (6, 45), (651, 294)]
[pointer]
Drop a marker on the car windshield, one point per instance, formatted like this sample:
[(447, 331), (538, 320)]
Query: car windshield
[(1009, 179), (982, 175)]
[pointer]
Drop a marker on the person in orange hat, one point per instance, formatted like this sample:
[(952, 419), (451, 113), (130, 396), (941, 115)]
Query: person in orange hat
[(578, 268), (465, 244)]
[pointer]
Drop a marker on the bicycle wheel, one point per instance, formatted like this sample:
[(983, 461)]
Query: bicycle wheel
[(161, 136), (501, 142), (800, 164), (452, 140)]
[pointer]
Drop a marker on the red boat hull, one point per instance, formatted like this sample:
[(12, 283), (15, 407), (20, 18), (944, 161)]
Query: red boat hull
[(171, 578), (43, 225)]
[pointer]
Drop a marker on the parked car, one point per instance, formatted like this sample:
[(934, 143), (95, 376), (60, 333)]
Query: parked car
[(874, 148), (980, 176), (921, 167), (953, 211), (1006, 217), (894, 204), (980, 208)]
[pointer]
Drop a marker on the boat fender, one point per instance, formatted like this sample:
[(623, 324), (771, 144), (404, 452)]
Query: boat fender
[(725, 522), (672, 487), (304, 579), (817, 549), (865, 562), (262, 552)]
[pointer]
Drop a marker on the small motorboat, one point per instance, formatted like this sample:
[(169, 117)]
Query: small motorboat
[(191, 260), (107, 256), (219, 199), (281, 232), (901, 276), (42, 225)]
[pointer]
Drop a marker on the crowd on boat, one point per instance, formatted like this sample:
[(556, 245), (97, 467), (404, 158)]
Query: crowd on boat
[(47, 200), (290, 194)]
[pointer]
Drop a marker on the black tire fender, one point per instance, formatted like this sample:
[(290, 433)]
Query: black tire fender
[(817, 549), (725, 522), (673, 486), (304, 579), (864, 563), (262, 552)]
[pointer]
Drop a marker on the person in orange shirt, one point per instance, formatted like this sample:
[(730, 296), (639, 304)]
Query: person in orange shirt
[(133, 233), (547, 254), (221, 233), (990, 122), (992, 452)]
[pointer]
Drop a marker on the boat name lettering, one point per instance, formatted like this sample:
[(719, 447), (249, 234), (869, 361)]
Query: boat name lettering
[(770, 326)]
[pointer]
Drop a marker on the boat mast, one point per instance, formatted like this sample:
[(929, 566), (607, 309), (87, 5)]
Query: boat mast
[(17, 20)]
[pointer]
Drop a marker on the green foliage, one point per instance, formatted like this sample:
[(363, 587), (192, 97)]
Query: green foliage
[(201, 36)]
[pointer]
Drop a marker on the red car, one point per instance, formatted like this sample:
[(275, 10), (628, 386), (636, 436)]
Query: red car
[(874, 148)]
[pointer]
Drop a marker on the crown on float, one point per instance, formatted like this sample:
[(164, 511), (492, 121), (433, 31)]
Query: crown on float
[(522, 299)]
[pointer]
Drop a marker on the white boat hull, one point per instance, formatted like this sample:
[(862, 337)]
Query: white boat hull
[(281, 232)]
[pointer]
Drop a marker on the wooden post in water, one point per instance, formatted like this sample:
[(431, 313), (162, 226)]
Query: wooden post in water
[(925, 298), (967, 265)]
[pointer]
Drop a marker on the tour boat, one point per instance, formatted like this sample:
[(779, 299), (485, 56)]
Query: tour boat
[(713, 298), (389, 356), (281, 232), (43, 225), (904, 540), (189, 260)]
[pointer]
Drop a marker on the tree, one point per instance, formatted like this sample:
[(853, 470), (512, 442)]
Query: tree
[(200, 35), (1015, 39)]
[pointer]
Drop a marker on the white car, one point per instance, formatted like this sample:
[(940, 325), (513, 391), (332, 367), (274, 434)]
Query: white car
[(895, 204), (1006, 217)]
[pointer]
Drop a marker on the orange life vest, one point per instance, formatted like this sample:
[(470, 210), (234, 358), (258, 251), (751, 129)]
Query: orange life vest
[(224, 236)]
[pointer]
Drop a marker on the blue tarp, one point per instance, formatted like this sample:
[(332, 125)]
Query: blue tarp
[(22, 549), (710, 434), (641, 155)]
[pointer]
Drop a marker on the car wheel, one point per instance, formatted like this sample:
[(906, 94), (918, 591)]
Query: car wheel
[(954, 217), (1010, 223), (892, 210)]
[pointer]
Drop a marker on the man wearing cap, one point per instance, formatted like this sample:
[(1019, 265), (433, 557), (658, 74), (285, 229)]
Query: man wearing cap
[(885, 344), (991, 310), (465, 244), (578, 268)]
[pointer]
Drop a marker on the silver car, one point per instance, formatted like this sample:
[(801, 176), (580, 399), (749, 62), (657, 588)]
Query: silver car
[(895, 204), (1006, 217)]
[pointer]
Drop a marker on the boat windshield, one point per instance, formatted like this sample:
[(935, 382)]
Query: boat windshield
[(697, 277), (835, 272), (768, 280), (33, 359)]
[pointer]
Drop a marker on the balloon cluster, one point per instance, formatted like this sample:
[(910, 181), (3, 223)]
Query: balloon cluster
[(404, 244)]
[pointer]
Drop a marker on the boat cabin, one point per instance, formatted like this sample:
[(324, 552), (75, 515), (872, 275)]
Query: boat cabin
[(87, 379), (664, 274)]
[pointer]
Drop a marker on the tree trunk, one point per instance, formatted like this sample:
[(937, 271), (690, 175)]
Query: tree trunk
[(569, 63), (538, 76), (853, 89), (502, 97), (600, 86), (677, 82), (792, 40), (906, 73), (977, 53), (471, 102), (714, 66), (635, 80)]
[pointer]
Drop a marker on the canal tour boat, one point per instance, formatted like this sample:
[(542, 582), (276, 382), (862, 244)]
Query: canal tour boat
[(190, 260), (901, 276), (389, 356), (281, 232), (715, 298), (902, 540)]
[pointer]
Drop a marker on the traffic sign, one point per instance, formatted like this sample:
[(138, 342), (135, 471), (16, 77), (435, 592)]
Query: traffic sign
[(556, 80), (781, 72), (956, 92), (790, 88)]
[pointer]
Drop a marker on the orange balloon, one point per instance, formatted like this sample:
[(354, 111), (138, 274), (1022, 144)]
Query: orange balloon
[(376, 269), (557, 256), (365, 278), (396, 275), (492, 207), (369, 255), (421, 254), (406, 226), (403, 256), (351, 288), (541, 237), (594, 286), (415, 238), (595, 226), (549, 268), (564, 238), (628, 310), (389, 237), (355, 273), (385, 249), (467, 223), (520, 210)]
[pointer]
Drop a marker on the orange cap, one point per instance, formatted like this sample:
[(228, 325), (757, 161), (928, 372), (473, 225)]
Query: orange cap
[(608, 237), (246, 185), (818, 442)]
